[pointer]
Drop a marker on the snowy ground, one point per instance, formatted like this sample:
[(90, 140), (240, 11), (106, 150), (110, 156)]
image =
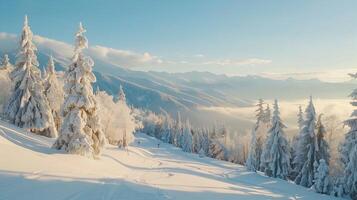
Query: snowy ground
[(29, 169)]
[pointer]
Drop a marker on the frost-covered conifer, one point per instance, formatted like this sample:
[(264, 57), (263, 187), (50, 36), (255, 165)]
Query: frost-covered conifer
[(300, 118), (257, 139), (5, 64), (348, 151), (276, 154), (252, 162), (5, 81), (81, 132), (177, 135), (28, 106), (311, 148), (295, 143), (322, 183), (267, 115), (321, 146), (121, 94), (167, 128), (54, 92), (187, 138)]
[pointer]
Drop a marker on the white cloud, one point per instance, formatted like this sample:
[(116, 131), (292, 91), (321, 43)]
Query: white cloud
[(241, 62), (335, 75), (341, 108), (123, 58), (63, 52)]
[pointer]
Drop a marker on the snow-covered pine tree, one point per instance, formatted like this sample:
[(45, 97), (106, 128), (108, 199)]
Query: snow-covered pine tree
[(256, 143), (178, 129), (5, 81), (121, 94), (311, 148), (295, 143), (276, 154), (205, 141), (28, 106), (167, 128), (300, 116), (5, 64), (322, 148), (267, 115), (322, 183), (187, 138), (54, 92), (348, 150), (80, 131), (252, 162)]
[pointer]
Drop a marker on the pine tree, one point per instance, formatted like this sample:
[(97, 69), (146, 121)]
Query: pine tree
[(321, 145), (295, 143), (28, 107), (252, 162), (5, 81), (322, 183), (187, 138), (312, 147), (276, 154), (177, 136), (121, 94), (300, 118), (54, 92), (267, 115), (348, 151), (257, 140), (6, 65), (81, 131)]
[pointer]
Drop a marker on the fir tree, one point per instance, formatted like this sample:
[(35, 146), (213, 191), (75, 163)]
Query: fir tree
[(81, 132), (322, 182), (54, 92), (300, 118), (6, 65), (312, 147), (187, 138), (348, 151), (257, 140), (295, 143), (28, 107), (121, 94), (267, 115), (276, 154), (252, 162)]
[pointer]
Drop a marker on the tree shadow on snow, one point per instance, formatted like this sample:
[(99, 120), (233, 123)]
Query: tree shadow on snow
[(22, 185)]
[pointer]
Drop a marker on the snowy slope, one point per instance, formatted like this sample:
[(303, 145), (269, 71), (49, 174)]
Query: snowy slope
[(29, 169)]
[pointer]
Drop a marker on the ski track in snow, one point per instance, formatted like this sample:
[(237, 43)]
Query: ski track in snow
[(30, 169)]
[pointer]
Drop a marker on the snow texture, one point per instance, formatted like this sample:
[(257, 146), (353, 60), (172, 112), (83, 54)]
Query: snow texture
[(30, 169)]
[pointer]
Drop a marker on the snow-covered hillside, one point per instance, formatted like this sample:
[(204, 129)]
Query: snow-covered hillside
[(30, 169)]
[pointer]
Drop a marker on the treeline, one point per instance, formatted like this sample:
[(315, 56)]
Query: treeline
[(62, 105)]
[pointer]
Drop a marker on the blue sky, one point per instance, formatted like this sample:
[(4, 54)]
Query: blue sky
[(275, 38)]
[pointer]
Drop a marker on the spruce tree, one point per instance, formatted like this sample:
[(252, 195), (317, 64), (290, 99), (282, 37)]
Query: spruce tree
[(348, 151), (6, 65), (311, 148), (121, 94), (27, 106), (54, 92), (187, 144), (276, 154), (80, 131), (322, 183), (257, 139)]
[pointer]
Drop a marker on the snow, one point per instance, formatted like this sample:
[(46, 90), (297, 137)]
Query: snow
[(30, 169)]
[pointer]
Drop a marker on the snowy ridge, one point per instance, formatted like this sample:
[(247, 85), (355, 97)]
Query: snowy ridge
[(30, 169)]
